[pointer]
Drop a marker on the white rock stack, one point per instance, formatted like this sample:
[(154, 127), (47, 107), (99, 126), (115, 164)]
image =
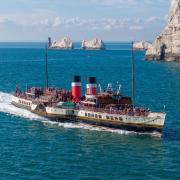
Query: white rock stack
[(95, 44), (167, 45), (141, 46), (64, 43)]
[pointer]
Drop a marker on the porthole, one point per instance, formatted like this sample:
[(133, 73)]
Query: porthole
[(120, 119)]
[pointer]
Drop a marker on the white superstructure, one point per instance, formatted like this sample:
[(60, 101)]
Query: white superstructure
[(25, 103), (154, 119)]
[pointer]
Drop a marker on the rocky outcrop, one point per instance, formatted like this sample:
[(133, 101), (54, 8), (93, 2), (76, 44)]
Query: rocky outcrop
[(167, 44), (93, 44), (64, 43), (141, 46)]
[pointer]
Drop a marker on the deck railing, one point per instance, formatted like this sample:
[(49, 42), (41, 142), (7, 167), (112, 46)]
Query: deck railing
[(125, 111)]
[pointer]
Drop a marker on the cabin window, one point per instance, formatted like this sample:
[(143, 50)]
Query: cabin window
[(107, 117), (112, 118), (89, 115), (116, 118), (96, 116), (120, 118), (92, 115), (85, 114), (100, 116)]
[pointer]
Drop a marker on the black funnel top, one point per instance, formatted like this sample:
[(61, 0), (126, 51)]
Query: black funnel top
[(76, 79), (91, 80)]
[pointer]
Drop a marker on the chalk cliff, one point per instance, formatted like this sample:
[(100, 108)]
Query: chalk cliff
[(141, 46), (167, 44), (64, 43), (93, 44)]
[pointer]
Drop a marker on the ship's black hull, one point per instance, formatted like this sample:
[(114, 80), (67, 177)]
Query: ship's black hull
[(124, 126), (136, 128)]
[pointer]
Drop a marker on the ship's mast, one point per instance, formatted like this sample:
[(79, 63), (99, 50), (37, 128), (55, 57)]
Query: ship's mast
[(46, 66), (133, 100)]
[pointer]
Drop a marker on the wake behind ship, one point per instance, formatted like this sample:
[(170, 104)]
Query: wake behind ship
[(106, 108)]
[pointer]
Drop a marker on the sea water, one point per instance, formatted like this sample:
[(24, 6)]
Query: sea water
[(32, 147)]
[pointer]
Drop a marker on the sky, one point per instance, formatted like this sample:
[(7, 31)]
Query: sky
[(110, 20)]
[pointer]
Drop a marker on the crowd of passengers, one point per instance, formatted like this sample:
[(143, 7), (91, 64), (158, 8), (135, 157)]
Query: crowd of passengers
[(122, 110), (53, 94), (57, 95)]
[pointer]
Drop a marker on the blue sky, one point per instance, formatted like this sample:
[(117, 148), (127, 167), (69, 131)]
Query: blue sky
[(110, 20)]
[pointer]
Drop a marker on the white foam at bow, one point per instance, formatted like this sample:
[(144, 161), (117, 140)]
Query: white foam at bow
[(7, 107)]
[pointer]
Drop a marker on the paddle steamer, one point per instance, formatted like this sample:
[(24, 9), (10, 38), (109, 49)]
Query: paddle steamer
[(105, 108)]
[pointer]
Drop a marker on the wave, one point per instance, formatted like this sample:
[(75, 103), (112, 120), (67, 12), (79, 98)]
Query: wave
[(7, 107), (99, 128)]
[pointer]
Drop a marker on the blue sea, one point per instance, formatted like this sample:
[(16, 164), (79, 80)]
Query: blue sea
[(32, 147)]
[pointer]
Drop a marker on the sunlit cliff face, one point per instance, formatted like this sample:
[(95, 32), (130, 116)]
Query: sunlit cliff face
[(174, 4), (174, 9), (170, 37)]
